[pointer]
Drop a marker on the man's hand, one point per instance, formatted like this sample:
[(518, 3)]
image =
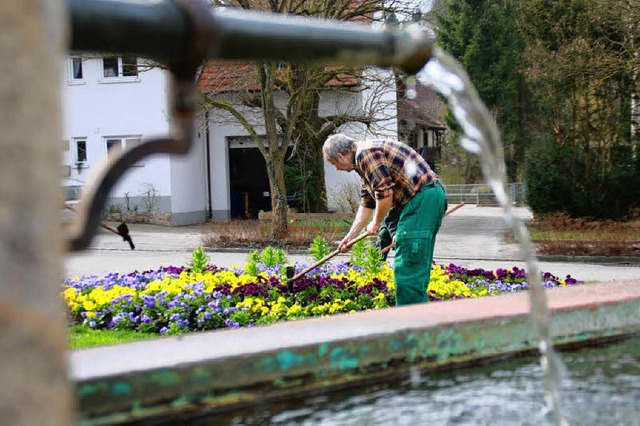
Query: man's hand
[(346, 242), (342, 247), (373, 228)]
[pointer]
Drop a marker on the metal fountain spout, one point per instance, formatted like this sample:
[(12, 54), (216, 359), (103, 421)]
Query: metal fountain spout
[(170, 30), (183, 34)]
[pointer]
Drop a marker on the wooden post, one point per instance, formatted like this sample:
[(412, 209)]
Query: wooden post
[(35, 389)]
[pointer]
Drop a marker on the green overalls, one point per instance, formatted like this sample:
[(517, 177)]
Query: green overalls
[(387, 231), (420, 220)]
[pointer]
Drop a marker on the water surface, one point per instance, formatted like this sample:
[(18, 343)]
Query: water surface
[(601, 387)]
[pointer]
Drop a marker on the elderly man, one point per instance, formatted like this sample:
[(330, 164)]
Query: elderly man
[(394, 177)]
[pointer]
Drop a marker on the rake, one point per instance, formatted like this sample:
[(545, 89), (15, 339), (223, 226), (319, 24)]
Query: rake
[(447, 213), (349, 244)]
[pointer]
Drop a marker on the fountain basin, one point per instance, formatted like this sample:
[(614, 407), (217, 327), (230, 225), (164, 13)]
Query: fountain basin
[(220, 370)]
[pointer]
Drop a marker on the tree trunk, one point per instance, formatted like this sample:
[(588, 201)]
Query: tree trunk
[(35, 389), (274, 154), (306, 129), (318, 182), (279, 224)]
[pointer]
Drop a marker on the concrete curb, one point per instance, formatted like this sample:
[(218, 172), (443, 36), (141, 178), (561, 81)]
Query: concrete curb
[(217, 370), (602, 260)]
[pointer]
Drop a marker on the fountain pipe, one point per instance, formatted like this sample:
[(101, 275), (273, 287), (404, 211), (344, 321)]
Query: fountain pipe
[(165, 30)]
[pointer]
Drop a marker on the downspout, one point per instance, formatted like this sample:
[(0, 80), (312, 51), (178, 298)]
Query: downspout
[(208, 160)]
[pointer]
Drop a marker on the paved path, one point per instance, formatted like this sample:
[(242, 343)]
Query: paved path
[(472, 236)]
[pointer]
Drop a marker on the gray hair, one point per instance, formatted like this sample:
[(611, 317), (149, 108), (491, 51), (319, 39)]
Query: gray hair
[(337, 144)]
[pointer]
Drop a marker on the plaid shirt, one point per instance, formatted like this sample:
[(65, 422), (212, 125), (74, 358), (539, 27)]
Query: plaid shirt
[(390, 167)]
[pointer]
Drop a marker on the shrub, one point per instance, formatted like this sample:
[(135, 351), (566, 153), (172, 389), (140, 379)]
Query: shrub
[(257, 234), (270, 258), (559, 180), (199, 261), (365, 255), (547, 180)]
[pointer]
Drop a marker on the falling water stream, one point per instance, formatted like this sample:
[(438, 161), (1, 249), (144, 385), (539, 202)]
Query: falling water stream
[(481, 137)]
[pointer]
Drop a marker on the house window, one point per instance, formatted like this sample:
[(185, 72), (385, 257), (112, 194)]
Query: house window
[(119, 68), (124, 143), (111, 143), (79, 147), (76, 69), (76, 72)]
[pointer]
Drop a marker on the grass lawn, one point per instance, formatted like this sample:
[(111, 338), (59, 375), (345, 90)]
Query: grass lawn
[(81, 336)]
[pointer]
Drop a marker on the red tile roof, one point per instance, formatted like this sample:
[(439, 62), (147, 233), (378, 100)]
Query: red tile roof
[(424, 109), (218, 76), (223, 76)]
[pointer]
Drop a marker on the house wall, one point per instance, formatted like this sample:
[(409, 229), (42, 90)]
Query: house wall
[(219, 163), (188, 183), (95, 108)]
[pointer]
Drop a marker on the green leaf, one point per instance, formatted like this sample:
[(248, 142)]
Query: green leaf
[(319, 248)]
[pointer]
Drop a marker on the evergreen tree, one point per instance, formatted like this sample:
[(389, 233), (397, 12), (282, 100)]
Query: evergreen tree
[(580, 60), (482, 36)]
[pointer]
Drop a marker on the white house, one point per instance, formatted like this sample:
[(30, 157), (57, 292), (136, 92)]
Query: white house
[(120, 101)]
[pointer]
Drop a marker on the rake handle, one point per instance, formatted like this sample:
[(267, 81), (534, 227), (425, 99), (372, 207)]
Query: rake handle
[(447, 213), (352, 242), (453, 209), (327, 257)]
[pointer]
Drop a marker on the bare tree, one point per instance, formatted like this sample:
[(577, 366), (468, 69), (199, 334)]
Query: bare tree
[(627, 14), (286, 100)]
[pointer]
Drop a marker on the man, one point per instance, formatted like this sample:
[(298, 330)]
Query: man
[(394, 177)]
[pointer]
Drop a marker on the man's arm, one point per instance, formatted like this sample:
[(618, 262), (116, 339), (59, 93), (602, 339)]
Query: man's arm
[(362, 218), (383, 205)]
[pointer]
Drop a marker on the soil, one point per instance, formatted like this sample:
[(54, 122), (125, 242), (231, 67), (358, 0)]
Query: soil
[(583, 237)]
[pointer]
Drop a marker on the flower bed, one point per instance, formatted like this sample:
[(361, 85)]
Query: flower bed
[(175, 300)]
